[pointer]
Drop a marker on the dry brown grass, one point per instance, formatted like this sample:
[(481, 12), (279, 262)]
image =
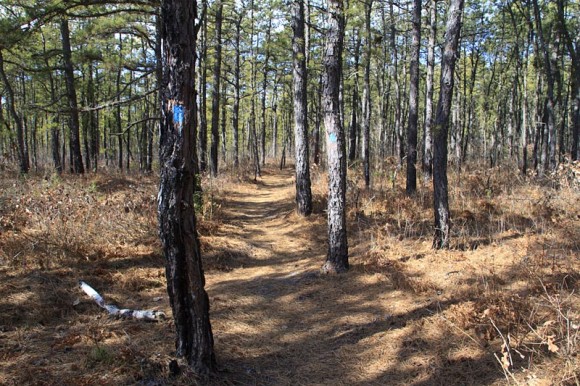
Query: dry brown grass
[(500, 306)]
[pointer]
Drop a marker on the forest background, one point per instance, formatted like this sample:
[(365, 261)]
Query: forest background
[(80, 94)]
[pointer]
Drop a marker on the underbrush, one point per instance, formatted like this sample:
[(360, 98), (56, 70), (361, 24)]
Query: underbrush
[(507, 287), (509, 281)]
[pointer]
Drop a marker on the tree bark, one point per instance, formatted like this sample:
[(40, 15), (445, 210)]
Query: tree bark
[(177, 224), (399, 146), (264, 93), (236, 107), (574, 82), (303, 192), (411, 186), (441, 125), (353, 128), (202, 111), (549, 103), (337, 258), (75, 142), (366, 124), (23, 159), (118, 118), (215, 104)]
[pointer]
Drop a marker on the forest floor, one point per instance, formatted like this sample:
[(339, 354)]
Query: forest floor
[(501, 306)]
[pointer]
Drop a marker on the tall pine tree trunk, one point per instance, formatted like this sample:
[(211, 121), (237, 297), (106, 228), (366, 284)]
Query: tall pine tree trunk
[(441, 126), (75, 140), (427, 139), (177, 224), (337, 258), (366, 124), (411, 186), (549, 105), (215, 104), (202, 111), (303, 192), (23, 159), (353, 128), (236, 107)]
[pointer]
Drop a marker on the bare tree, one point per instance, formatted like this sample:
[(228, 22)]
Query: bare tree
[(441, 125)]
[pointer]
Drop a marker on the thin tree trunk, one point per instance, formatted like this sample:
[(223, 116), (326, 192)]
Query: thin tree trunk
[(23, 158), (303, 192), (399, 147), (411, 186), (202, 111), (215, 107), (353, 129), (316, 156), (264, 93), (366, 124), (75, 142), (550, 101), (177, 225), (236, 107), (441, 126), (224, 118), (574, 82), (118, 108), (427, 141), (337, 258)]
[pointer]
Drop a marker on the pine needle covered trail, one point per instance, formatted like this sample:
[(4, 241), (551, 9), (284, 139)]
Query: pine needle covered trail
[(277, 321)]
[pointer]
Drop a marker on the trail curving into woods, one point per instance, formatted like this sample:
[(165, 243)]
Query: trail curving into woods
[(276, 320)]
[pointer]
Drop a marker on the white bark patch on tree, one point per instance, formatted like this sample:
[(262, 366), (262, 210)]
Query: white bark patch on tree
[(150, 315)]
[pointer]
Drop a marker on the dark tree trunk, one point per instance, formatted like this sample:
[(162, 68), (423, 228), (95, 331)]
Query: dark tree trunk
[(159, 82), (93, 121), (337, 258), (236, 107), (128, 130), (366, 126), (411, 186), (353, 128), (303, 192), (23, 159), (399, 146), (75, 141), (441, 126), (177, 225), (427, 162), (224, 118), (55, 129), (574, 82), (549, 104), (202, 132), (264, 93), (253, 140), (215, 104)]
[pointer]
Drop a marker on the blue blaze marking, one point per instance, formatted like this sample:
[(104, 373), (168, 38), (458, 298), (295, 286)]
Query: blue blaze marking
[(178, 114), (332, 137)]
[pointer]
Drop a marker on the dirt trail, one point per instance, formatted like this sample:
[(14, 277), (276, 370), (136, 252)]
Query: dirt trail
[(277, 321)]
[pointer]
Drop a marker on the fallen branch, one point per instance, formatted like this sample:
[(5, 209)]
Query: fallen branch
[(113, 310)]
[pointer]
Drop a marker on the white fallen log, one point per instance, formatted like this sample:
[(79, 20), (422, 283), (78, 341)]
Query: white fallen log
[(150, 315)]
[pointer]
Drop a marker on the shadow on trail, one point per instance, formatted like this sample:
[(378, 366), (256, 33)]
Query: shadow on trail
[(276, 320), (305, 328)]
